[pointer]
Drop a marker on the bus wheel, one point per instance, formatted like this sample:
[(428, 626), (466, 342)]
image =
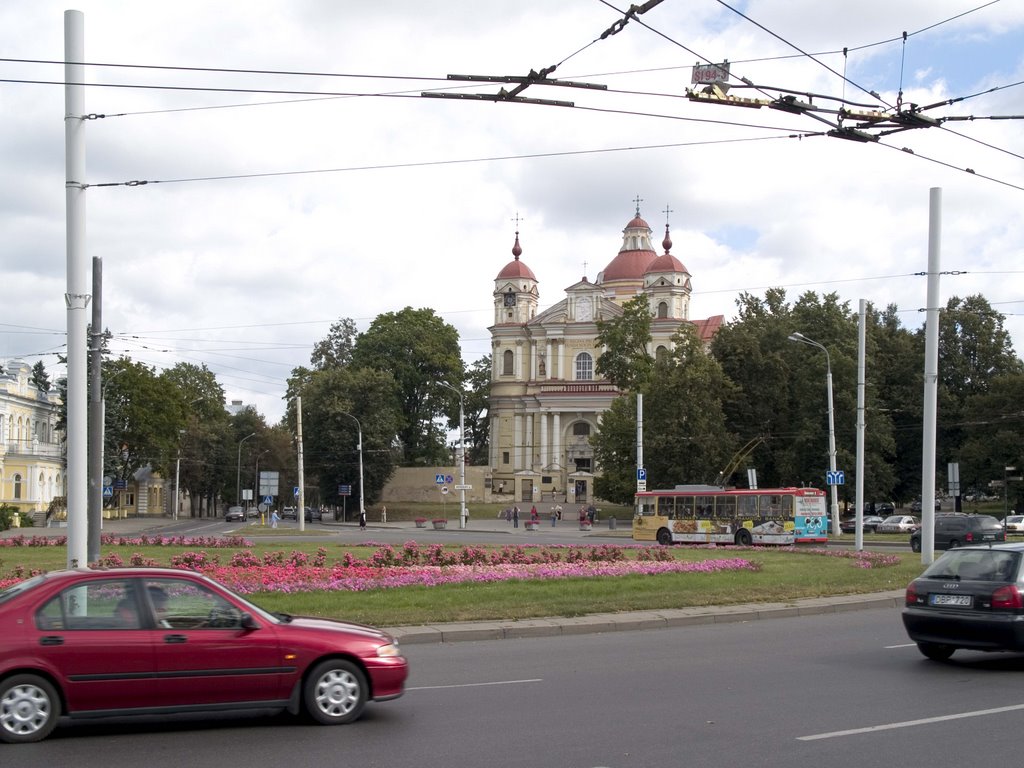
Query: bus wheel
[(664, 536), (743, 538)]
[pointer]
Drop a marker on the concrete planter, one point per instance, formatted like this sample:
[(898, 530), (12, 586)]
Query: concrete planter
[(440, 525), (586, 527)]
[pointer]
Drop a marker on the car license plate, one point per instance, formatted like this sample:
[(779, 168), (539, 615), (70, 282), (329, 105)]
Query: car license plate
[(961, 600)]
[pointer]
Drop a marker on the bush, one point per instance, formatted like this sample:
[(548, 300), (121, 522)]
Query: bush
[(7, 514)]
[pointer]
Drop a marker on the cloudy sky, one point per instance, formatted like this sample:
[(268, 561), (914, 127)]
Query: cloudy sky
[(303, 177)]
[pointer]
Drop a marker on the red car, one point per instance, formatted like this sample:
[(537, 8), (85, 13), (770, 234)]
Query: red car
[(111, 642)]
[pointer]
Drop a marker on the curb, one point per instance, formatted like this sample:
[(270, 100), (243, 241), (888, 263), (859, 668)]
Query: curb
[(458, 632)]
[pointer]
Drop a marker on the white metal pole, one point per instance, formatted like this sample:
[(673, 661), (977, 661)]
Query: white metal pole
[(836, 530), (462, 464), (861, 368), (238, 473), (931, 378), (76, 298), (362, 493), (177, 485), (300, 513)]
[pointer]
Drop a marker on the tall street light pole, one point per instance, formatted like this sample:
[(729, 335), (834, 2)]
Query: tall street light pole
[(362, 495), (238, 476), (800, 338), (462, 455)]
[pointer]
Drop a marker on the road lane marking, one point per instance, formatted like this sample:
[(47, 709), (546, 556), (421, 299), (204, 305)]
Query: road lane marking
[(912, 723), (476, 685), (904, 645)]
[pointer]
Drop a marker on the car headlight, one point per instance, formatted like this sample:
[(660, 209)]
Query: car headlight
[(389, 650)]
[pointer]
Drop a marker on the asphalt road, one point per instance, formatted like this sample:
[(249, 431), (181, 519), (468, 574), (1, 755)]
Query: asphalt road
[(839, 690)]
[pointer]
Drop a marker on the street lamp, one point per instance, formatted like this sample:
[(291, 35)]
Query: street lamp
[(362, 495), (238, 475), (462, 455), (801, 339), (1006, 490)]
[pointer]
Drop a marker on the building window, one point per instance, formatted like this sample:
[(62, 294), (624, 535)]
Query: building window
[(17, 486), (661, 353), (507, 363), (504, 457), (581, 429), (584, 367), (662, 310)]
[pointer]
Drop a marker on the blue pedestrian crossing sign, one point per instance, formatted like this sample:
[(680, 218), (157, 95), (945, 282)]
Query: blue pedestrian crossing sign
[(108, 491), (268, 499), (439, 479), (835, 478)]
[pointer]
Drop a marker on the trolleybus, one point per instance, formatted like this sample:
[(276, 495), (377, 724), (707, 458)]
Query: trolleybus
[(708, 514)]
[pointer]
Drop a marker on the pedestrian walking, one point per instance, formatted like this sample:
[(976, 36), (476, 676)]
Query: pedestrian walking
[(534, 517), (515, 517), (554, 516), (383, 513), (274, 519), (362, 520)]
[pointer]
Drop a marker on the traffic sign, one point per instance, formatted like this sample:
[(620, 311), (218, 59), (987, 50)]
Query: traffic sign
[(108, 491), (641, 485), (344, 490), (449, 479), (463, 487), (641, 475), (835, 478), (439, 479), (444, 489), (295, 491), (268, 499)]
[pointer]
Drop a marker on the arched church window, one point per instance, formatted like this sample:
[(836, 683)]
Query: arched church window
[(507, 363), (662, 310), (17, 486), (584, 367), (581, 429), (661, 353)]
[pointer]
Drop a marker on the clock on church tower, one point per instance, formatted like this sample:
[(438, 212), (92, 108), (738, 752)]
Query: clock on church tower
[(510, 299)]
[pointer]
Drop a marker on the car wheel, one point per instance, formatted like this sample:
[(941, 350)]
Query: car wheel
[(953, 544), (29, 709), (664, 537), (743, 538), (336, 692), (915, 544), (936, 652)]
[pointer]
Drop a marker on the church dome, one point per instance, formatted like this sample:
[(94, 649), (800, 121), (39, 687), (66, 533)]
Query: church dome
[(516, 269), (635, 254), (666, 262)]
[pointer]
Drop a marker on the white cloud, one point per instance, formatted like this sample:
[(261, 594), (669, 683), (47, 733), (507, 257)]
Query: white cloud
[(246, 274)]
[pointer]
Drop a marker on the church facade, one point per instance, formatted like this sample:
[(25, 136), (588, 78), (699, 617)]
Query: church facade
[(546, 396)]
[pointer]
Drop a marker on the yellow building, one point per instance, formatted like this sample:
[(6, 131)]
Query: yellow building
[(31, 460), (546, 397)]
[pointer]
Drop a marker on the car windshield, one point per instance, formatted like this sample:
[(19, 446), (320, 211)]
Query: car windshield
[(21, 586), (894, 519), (975, 565)]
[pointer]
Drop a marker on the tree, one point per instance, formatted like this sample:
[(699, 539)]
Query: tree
[(418, 349), (685, 435), (332, 402), (335, 351), (626, 363), (143, 415), (40, 378), (478, 422)]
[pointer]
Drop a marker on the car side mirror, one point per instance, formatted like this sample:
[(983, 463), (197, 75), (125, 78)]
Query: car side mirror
[(248, 622)]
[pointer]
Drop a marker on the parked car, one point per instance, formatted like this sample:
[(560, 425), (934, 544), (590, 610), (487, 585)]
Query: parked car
[(916, 505), (956, 529), (968, 598), (868, 524), (312, 514), (234, 513), (884, 508), (289, 513), (1015, 524), (93, 643), (898, 524)]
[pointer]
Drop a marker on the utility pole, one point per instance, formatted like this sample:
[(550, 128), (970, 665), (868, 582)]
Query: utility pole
[(96, 425), (300, 513)]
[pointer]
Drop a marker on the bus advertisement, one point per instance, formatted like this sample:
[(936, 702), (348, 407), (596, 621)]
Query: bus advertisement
[(707, 514)]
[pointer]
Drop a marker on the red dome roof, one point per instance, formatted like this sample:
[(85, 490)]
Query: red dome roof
[(665, 263), (516, 268), (628, 265)]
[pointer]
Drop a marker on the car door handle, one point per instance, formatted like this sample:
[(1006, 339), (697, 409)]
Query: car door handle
[(174, 638), (51, 640)]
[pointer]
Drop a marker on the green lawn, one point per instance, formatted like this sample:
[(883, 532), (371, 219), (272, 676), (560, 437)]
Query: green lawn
[(782, 576)]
